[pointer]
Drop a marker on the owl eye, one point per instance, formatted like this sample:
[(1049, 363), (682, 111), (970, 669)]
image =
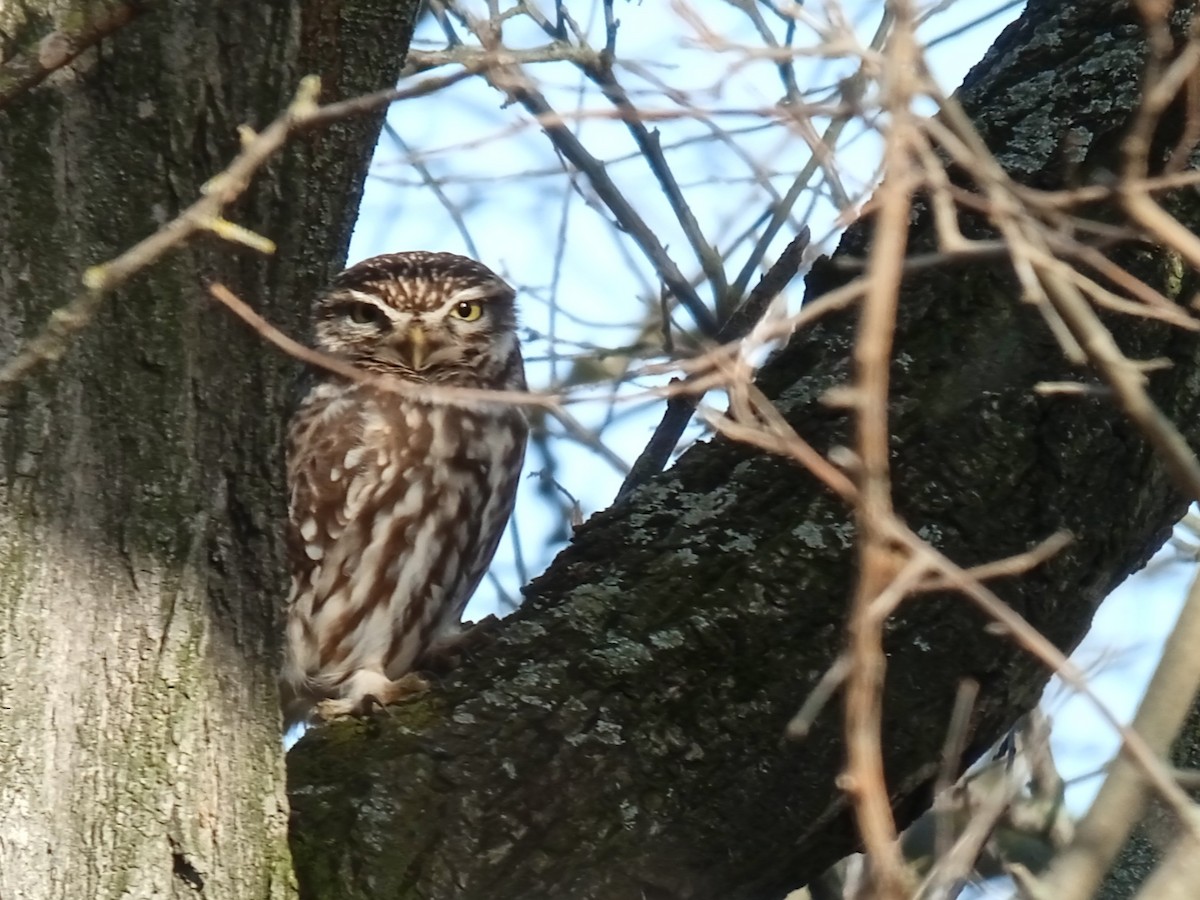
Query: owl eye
[(468, 311), (366, 314)]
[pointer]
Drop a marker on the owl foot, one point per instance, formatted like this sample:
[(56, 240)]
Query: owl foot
[(449, 653), (402, 688)]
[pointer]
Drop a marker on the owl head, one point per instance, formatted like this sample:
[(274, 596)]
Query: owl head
[(430, 317)]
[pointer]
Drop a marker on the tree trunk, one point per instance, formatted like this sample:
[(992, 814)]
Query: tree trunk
[(624, 736), (141, 576)]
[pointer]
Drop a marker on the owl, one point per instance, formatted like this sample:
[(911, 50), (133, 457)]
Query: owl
[(396, 504)]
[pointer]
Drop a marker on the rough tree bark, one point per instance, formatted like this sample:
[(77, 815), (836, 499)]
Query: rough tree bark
[(624, 736), (140, 573)]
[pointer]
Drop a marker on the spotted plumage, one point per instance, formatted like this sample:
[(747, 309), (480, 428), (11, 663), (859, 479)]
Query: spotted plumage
[(396, 504)]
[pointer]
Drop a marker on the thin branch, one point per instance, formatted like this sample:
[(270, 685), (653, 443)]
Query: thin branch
[(1086, 334), (1128, 383), (651, 149), (503, 72), (853, 89), (878, 560), (581, 435), (955, 864), (419, 61), (1077, 872), (204, 214), (778, 437), (785, 67), (1139, 750), (516, 88), (769, 431), (957, 734), (426, 393), (438, 10), (679, 409), (818, 698), (369, 103), (434, 185), (1009, 566)]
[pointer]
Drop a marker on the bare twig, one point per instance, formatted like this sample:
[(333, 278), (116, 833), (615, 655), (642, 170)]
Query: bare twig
[(853, 89), (878, 561), (1146, 757), (990, 798), (680, 408), (1010, 566), (954, 864), (428, 393), (818, 698), (377, 100), (1161, 777), (203, 215), (1085, 334), (651, 148), (1127, 381), (419, 61), (579, 433), (776, 436), (435, 186), (957, 734), (1077, 872), (627, 217), (504, 73)]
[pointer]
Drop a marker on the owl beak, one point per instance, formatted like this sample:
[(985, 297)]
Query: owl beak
[(418, 347)]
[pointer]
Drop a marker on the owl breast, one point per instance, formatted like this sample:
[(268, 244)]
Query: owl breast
[(395, 512)]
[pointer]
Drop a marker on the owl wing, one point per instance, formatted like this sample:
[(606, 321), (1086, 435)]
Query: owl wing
[(494, 467), (352, 458), (320, 445)]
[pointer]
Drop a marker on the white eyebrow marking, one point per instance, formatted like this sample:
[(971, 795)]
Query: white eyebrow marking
[(391, 312)]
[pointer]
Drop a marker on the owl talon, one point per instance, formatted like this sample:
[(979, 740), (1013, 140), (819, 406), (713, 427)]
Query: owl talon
[(328, 710), (410, 685)]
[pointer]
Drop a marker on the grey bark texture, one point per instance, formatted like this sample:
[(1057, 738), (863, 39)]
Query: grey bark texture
[(140, 491), (623, 738)]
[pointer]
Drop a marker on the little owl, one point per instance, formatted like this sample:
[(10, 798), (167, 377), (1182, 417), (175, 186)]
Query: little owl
[(396, 504)]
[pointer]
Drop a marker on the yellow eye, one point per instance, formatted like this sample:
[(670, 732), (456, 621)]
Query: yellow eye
[(468, 311)]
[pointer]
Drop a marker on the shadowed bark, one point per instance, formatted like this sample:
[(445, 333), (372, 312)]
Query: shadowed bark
[(624, 736), (140, 480)]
